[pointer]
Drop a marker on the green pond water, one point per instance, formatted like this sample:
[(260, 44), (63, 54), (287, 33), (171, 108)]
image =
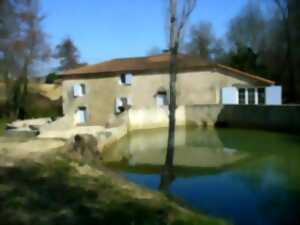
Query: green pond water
[(248, 177)]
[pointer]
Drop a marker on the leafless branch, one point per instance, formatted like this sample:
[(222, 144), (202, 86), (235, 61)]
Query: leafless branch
[(187, 9), (282, 8)]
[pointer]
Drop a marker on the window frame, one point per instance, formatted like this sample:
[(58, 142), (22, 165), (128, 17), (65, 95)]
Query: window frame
[(253, 101), (245, 96), (252, 98), (258, 96)]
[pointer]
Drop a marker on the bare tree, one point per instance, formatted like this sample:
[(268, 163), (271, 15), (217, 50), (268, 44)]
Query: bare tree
[(248, 27), (21, 44), (202, 38), (203, 42), (9, 27), (177, 24), (270, 37), (68, 54), (284, 8), (31, 45)]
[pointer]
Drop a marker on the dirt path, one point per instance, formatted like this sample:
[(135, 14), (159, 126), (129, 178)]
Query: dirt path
[(15, 149)]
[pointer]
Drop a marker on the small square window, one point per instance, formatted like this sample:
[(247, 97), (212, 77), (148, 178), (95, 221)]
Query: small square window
[(126, 78), (79, 90), (161, 99), (81, 115), (122, 104)]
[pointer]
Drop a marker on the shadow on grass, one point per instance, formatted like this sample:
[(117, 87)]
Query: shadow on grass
[(53, 194)]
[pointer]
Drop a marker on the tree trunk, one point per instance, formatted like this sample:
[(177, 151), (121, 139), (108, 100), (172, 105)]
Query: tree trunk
[(172, 86), (290, 59), (172, 107), (24, 92), (291, 81), (7, 94), (167, 172)]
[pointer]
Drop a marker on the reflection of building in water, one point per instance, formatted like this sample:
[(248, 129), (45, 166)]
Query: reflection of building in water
[(194, 147)]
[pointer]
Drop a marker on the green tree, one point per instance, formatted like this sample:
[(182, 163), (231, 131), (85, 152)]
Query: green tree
[(51, 77), (246, 59)]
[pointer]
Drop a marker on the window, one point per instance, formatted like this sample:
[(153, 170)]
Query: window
[(122, 104), (251, 96), (81, 115), (261, 96), (126, 79), (242, 96), (161, 98), (79, 90)]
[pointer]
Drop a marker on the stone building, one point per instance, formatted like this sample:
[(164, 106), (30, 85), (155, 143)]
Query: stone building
[(98, 94)]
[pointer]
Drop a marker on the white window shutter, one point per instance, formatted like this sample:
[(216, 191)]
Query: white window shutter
[(82, 115), (128, 78), (118, 103), (76, 90), (229, 96), (274, 95)]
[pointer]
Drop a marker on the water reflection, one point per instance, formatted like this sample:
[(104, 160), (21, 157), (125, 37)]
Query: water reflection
[(193, 148), (247, 177)]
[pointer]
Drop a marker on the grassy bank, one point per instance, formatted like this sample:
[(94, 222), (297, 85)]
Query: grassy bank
[(59, 190), (3, 122), (43, 101)]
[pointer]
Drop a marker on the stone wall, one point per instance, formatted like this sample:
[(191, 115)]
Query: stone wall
[(193, 88)]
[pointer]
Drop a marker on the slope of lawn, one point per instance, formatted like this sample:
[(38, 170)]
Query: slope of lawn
[(59, 190)]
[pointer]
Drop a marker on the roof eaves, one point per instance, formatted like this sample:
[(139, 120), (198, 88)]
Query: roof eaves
[(248, 75)]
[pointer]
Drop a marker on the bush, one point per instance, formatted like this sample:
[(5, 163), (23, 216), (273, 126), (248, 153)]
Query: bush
[(51, 77), (40, 106)]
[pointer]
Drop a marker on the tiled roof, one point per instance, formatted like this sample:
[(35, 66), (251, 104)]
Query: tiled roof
[(154, 63)]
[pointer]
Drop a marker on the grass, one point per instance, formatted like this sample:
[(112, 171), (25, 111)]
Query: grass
[(55, 193), (3, 122)]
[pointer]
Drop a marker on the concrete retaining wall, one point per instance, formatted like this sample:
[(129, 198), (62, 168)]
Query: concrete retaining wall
[(202, 115), (282, 118), (149, 118)]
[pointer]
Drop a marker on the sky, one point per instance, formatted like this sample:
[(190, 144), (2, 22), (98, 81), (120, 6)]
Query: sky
[(106, 29)]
